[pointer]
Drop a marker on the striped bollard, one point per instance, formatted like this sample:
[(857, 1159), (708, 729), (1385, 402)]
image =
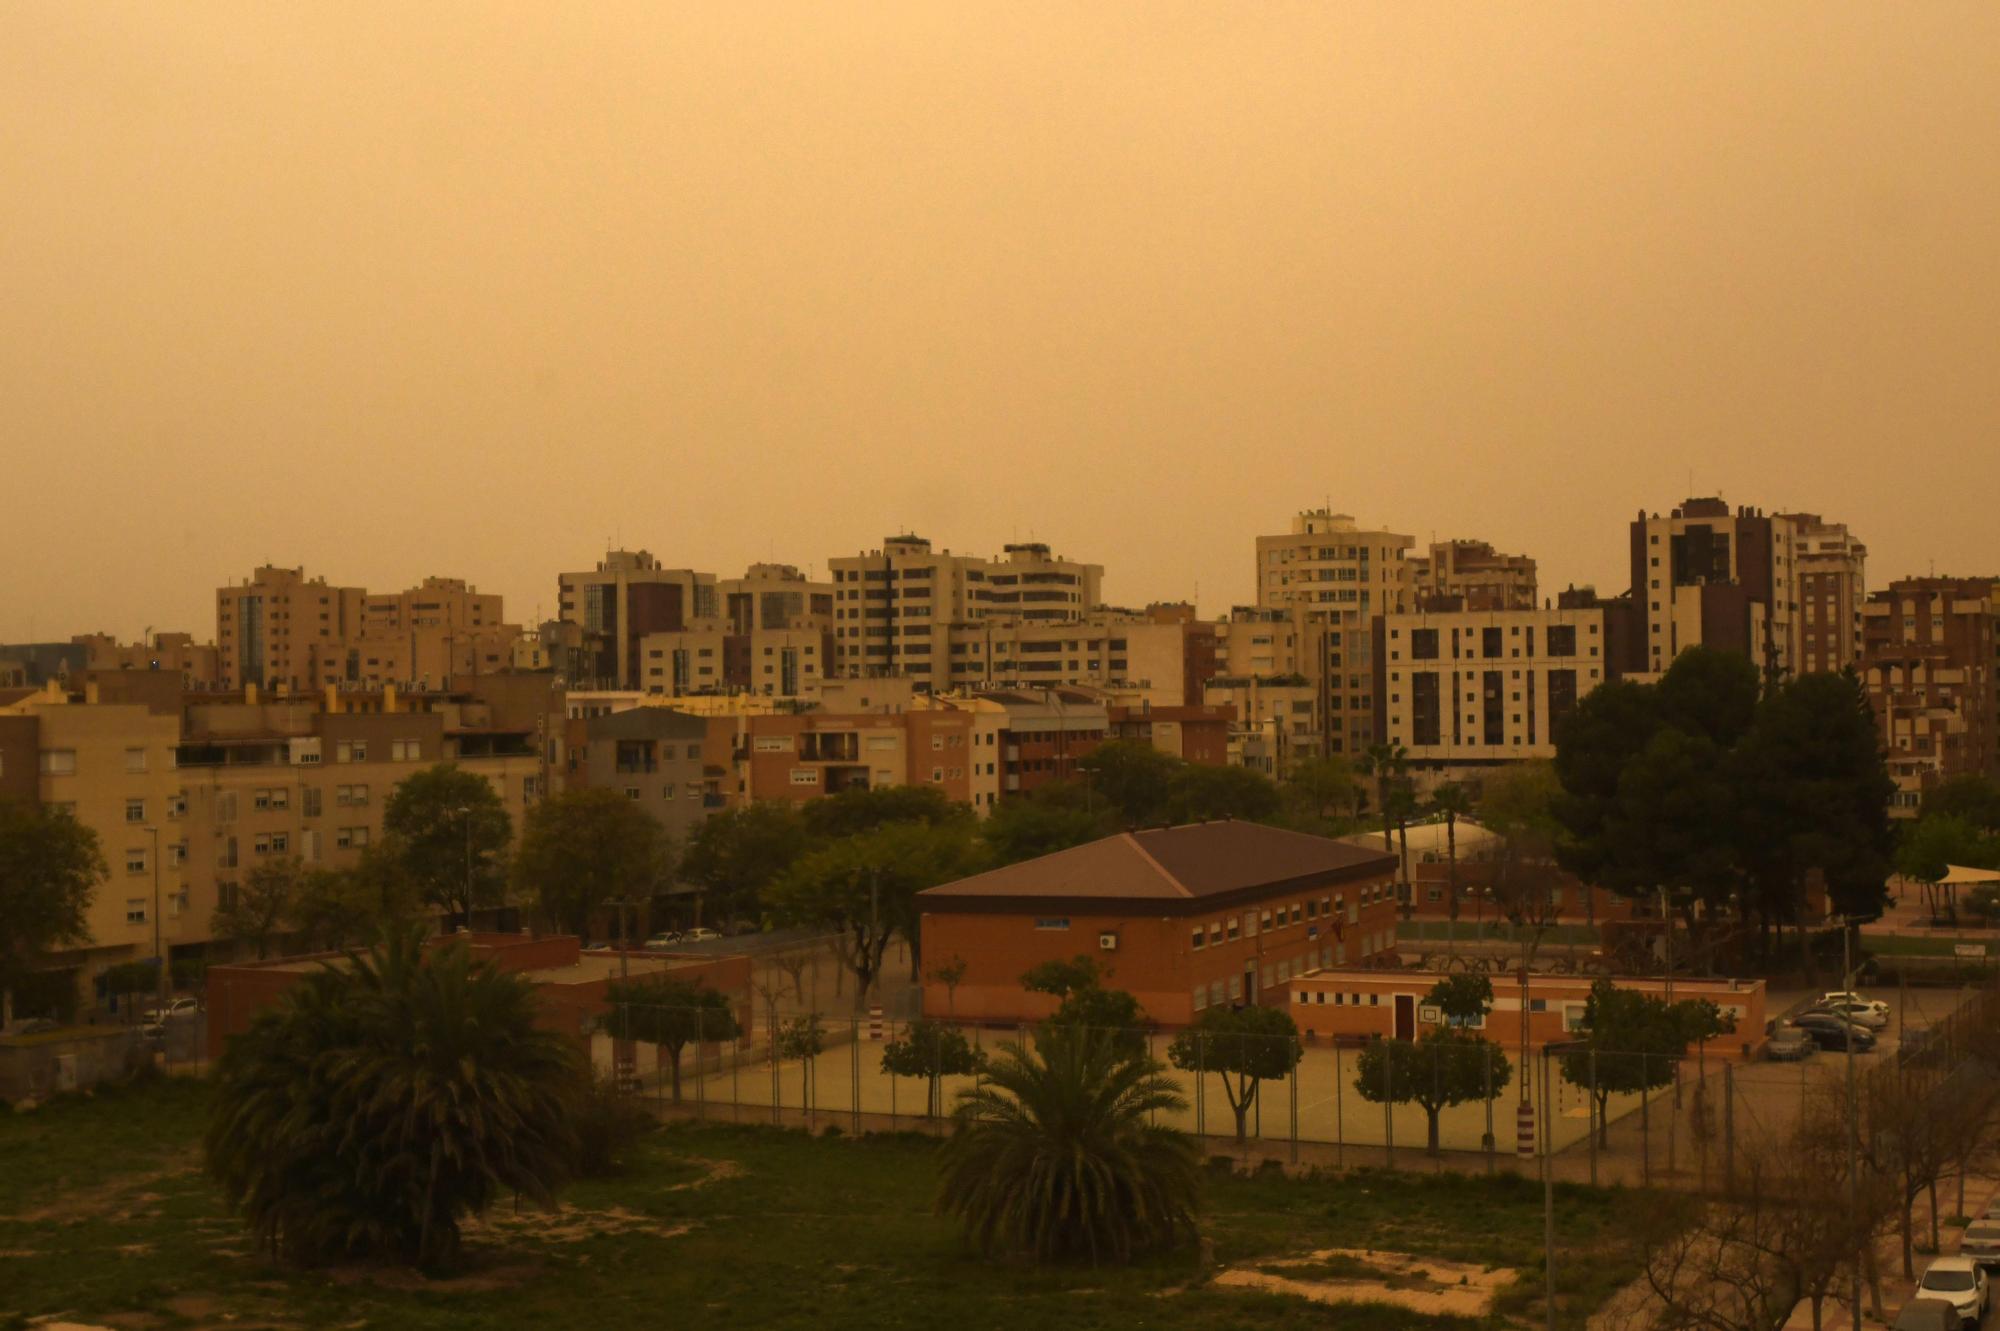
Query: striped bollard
[(875, 1023), (1525, 1127)]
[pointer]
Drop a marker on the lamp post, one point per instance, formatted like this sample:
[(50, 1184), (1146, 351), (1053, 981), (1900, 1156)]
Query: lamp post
[(464, 812), (159, 955)]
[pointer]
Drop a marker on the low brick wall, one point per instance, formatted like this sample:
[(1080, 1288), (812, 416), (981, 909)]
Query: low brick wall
[(38, 1066)]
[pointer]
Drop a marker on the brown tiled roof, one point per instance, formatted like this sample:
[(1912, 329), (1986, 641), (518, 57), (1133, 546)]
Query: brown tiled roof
[(1166, 865)]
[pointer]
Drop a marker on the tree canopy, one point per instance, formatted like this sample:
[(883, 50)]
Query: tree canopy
[(1633, 1041), (450, 831), (669, 1013), (1245, 1047), (1085, 1000), (583, 848), (50, 867), (931, 1050), (737, 853)]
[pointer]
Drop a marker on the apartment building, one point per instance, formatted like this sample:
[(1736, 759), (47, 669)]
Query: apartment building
[(1104, 648), (1472, 688), (774, 639), (1199, 734), (198, 664), (1928, 659), (659, 758), (189, 792), (1711, 577), (773, 596), (614, 606), (281, 629), (1831, 567), (1471, 575), (1338, 576), (802, 756), (894, 608)]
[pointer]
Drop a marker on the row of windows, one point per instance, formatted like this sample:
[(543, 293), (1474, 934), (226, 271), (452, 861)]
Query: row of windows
[(1273, 918)]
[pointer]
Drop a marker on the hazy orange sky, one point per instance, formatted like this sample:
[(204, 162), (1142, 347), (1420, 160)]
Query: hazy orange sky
[(395, 289)]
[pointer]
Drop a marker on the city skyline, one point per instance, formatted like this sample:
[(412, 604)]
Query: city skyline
[(391, 292)]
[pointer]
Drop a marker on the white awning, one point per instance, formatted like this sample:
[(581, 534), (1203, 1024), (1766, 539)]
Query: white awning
[(1957, 875)]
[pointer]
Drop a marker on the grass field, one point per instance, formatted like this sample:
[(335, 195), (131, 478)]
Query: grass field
[(106, 1219)]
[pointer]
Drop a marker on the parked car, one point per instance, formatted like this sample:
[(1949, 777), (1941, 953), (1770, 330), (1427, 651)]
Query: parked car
[(1981, 1242), (1926, 1314), (1789, 1044), (179, 1009), (660, 942), (1832, 1032), (1960, 1282), (1849, 996), (700, 936), (1871, 1015), (1993, 1208)]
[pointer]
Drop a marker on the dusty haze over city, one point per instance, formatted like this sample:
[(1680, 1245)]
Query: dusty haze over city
[(475, 289)]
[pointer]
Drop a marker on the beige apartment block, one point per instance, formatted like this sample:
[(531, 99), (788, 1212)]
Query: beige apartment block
[(1112, 649), (224, 785), (1340, 575), (710, 657), (1930, 656), (614, 606), (198, 664), (1471, 575), (894, 608), (1272, 725), (280, 629), (1709, 576), (1832, 585), (1468, 688), (952, 747), (774, 596)]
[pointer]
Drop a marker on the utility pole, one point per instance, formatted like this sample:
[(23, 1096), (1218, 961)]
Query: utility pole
[(159, 955), (464, 812), (1853, 1125)]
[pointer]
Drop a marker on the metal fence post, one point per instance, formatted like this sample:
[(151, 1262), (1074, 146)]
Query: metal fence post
[(1488, 1142), (854, 1040), (1339, 1110), (1645, 1125), (700, 1095)]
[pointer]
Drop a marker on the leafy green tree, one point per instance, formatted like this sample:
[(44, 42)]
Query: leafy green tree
[(1386, 763), (1464, 998), (863, 889), (933, 1051), (1930, 846), (803, 1038), (736, 854), (1324, 786), (128, 978), (50, 867), (1245, 1047), (1055, 1157), (1204, 792), (1084, 1000), (1637, 1041), (1133, 777), (379, 1103), (262, 906), (1973, 796), (1670, 825), (583, 848), (1444, 1067), (1026, 827), (864, 808), (340, 908), (450, 831), (1711, 693), (669, 1013), (1610, 727)]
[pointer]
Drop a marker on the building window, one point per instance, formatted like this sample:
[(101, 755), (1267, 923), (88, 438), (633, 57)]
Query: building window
[(1265, 916), (1200, 937), (135, 910), (135, 811), (1235, 988), (135, 860), (1057, 922), (177, 805), (135, 760), (309, 802), (1200, 997), (1230, 927), (405, 750), (58, 762)]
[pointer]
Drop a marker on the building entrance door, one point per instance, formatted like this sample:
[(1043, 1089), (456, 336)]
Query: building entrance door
[(1406, 1016), (1249, 986)]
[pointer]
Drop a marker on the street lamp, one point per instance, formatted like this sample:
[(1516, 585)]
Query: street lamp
[(159, 956), (464, 812)]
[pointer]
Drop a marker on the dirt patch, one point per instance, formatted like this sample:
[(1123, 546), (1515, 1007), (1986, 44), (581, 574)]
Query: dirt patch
[(1428, 1285), (574, 1224), (194, 1307), (118, 1200), (483, 1281)]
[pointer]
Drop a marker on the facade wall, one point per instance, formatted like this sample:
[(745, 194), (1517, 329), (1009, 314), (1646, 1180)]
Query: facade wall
[(1477, 687), (1928, 660), (1705, 575), (1472, 575), (1245, 955), (1832, 578), (662, 768), (279, 629), (614, 606), (198, 665), (1357, 1005)]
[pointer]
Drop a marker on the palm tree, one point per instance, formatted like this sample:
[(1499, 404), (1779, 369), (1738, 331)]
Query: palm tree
[(386, 1098), (1054, 1157), (1386, 763), (1453, 801)]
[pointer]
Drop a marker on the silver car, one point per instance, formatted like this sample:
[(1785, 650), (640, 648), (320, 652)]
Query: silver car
[(1981, 1242)]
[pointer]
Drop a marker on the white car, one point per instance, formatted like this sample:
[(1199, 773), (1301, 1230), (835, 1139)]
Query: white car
[(1849, 996), (700, 936), (1872, 1015), (1960, 1282), (179, 1009), (660, 942), (1981, 1242)]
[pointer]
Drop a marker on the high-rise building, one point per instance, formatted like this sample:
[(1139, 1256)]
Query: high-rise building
[(627, 596), (1832, 583), (1337, 576), (197, 663), (1928, 659), (774, 638), (1471, 575), (280, 629), (894, 607), (1707, 576)]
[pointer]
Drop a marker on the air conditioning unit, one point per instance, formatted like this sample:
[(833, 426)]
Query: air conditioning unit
[(1107, 941)]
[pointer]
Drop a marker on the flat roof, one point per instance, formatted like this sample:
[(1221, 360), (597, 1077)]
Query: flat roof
[(1164, 867)]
